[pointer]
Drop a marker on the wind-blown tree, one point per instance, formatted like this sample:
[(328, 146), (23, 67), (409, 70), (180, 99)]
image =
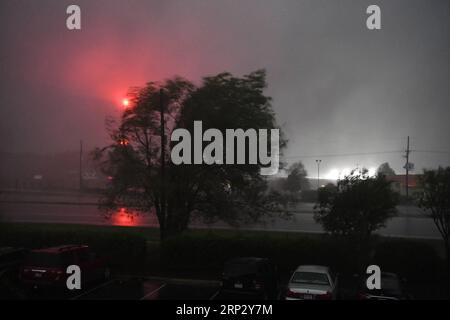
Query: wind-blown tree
[(435, 200), (143, 181), (296, 180), (386, 169), (358, 206)]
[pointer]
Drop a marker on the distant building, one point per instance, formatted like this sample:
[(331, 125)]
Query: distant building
[(399, 183), (49, 172)]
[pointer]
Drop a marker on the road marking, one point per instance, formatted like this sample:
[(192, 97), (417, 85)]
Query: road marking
[(214, 295), (200, 282), (93, 289), (154, 291)]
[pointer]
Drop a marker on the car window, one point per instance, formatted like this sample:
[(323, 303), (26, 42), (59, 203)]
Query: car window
[(390, 283), (83, 255), (69, 257), (332, 276), (43, 259), (310, 278), (239, 269)]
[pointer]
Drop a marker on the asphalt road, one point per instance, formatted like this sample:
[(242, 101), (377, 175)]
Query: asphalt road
[(410, 223), (127, 288), (150, 288)]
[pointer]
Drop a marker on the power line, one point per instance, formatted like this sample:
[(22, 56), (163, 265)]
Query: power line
[(344, 154), (432, 151), (329, 155)]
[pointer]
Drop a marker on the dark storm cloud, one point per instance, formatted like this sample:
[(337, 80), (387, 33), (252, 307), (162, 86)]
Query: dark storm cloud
[(337, 87)]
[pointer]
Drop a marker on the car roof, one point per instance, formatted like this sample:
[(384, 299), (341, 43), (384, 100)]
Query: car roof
[(313, 268), (60, 249), (389, 274)]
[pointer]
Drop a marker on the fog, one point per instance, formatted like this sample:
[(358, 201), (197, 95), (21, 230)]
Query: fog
[(341, 92)]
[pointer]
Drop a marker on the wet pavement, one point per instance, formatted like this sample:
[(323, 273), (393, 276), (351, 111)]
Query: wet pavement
[(136, 288), (126, 288), (145, 289), (409, 224)]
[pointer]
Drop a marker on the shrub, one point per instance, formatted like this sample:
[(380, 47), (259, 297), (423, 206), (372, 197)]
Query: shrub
[(411, 259), (122, 248)]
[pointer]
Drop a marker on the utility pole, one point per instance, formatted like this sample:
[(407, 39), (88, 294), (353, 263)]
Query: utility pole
[(318, 161), (163, 148), (407, 169), (81, 166)]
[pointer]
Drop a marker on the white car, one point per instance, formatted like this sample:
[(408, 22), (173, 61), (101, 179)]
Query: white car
[(310, 282)]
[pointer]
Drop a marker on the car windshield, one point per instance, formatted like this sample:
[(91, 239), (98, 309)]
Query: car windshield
[(389, 282), (240, 268), (310, 277), (390, 285), (41, 259)]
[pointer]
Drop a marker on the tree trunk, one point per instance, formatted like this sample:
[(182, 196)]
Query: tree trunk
[(447, 252), (167, 232), (177, 220)]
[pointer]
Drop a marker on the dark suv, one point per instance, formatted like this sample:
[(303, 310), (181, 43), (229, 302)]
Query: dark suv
[(47, 267), (392, 288), (254, 276)]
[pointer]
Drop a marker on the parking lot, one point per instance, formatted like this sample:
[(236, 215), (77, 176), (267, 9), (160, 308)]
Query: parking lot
[(134, 288), (152, 289)]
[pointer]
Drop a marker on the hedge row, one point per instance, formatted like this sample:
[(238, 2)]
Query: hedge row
[(120, 247), (210, 251)]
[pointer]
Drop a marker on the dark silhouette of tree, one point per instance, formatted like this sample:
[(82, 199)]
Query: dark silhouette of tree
[(386, 169), (296, 180), (232, 193), (435, 200), (329, 188), (356, 207)]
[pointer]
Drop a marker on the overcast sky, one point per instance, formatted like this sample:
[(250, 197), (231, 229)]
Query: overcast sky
[(338, 88)]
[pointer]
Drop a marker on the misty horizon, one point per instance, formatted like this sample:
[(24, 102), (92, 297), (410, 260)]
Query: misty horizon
[(341, 93)]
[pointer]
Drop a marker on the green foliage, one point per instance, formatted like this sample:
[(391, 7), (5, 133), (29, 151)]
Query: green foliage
[(122, 248), (296, 180), (435, 199), (208, 252), (411, 259), (386, 169), (357, 207), (233, 193), (205, 253)]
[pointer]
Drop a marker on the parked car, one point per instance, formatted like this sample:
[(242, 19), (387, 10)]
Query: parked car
[(310, 282), (392, 288), (11, 258), (10, 261), (47, 267), (252, 276)]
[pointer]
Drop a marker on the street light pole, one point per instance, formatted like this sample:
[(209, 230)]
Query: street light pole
[(318, 161), (407, 170), (81, 166)]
